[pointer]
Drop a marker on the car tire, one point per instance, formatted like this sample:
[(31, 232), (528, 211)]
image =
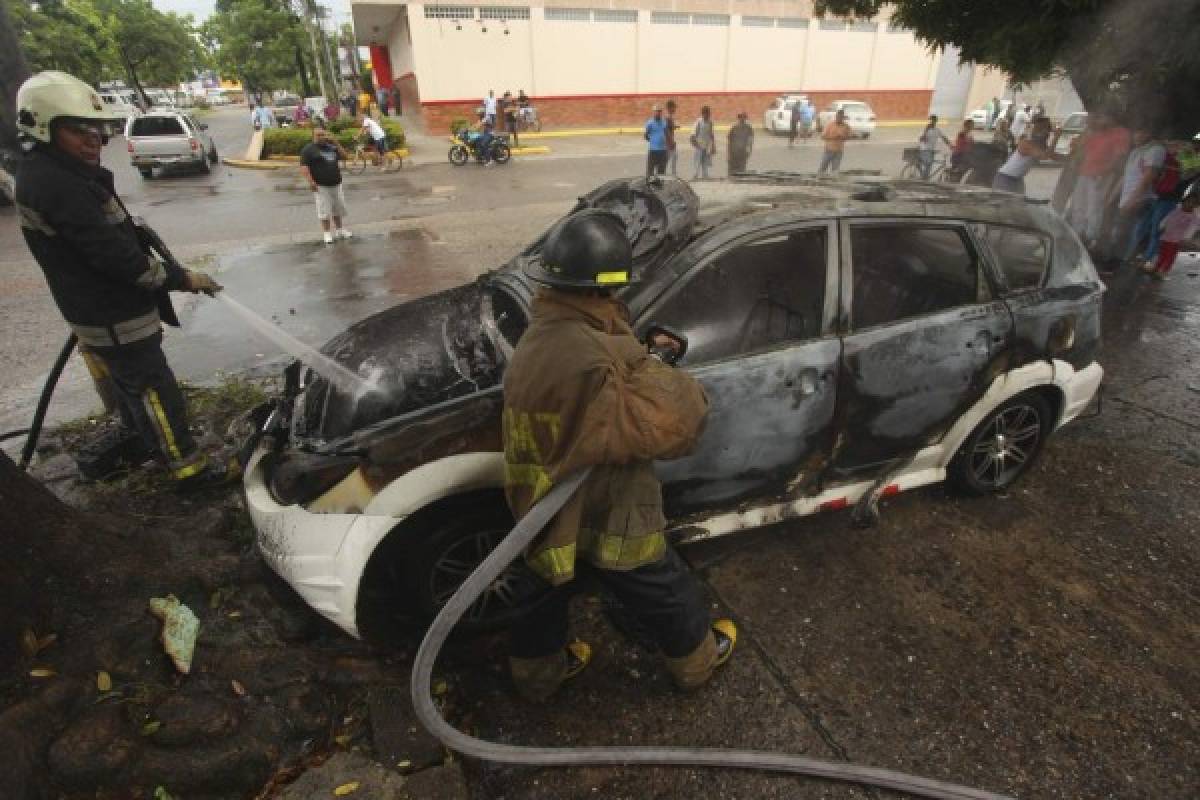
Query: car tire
[(146, 172), (205, 165), (449, 548), (988, 462), (213, 158)]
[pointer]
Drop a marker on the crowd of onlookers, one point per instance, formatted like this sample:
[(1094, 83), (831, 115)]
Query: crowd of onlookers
[(662, 142)]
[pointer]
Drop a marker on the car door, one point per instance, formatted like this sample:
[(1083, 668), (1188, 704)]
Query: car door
[(759, 315), (925, 336)]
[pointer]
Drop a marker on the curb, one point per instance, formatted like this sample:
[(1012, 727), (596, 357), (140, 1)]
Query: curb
[(637, 131), (282, 162)]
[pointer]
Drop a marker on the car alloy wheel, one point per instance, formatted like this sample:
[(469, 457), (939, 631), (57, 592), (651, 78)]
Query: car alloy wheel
[(1003, 446)]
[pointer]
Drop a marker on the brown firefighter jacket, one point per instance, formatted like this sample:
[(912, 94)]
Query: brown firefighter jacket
[(582, 390)]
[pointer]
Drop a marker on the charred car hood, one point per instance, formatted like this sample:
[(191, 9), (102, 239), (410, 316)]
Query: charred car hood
[(413, 355), (456, 342)]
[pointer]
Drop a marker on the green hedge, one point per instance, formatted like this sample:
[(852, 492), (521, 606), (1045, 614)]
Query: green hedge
[(290, 141)]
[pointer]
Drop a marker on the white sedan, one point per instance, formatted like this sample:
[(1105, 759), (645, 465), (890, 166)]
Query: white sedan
[(859, 116), (778, 118)]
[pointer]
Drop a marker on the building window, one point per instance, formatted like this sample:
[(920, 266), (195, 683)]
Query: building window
[(609, 15), (758, 22), (863, 26), (449, 12), (670, 18), (503, 12), (568, 14), (791, 22), (832, 25), (710, 19)]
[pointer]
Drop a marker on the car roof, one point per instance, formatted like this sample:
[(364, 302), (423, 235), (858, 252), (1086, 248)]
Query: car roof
[(804, 195)]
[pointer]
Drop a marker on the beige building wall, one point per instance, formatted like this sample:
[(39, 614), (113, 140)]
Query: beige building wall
[(839, 60), (566, 63), (766, 59), (901, 62)]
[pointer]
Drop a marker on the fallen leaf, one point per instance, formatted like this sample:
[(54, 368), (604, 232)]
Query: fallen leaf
[(238, 689), (29, 643), (405, 764), (342, 740), (46, 641), (103, 681), (345, 789), (161, 793), (234, 614), (440, 688), (151, 727), (42, 672)]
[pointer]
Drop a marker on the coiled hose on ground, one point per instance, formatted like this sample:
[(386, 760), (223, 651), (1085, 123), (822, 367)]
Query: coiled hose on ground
[(481, 578)]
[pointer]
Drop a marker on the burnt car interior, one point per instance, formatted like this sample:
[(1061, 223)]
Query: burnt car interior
[(903, 271), (754, 296)]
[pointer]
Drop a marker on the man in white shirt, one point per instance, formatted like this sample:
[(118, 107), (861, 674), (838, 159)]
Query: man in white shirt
[(1020, 123), (489, 108), (375, 132), (1136, 204)]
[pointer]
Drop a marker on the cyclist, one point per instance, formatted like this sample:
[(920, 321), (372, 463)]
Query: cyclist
[(374, 131), (928, 142)]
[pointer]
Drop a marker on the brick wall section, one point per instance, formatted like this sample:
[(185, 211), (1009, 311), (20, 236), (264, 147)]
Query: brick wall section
[(608, 111)]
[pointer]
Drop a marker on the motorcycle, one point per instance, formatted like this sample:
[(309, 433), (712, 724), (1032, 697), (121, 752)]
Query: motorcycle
[(466, 146)]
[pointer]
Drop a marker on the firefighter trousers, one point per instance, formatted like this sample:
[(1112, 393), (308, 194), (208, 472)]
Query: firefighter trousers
[(664, 597), (151, 401)]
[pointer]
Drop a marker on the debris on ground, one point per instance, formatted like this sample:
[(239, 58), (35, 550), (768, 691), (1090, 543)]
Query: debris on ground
[(179, 630)]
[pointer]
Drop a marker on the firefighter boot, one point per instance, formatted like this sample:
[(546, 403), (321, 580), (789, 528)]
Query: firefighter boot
[(213, 475), (117, 449), (694, 670), (537, 679)]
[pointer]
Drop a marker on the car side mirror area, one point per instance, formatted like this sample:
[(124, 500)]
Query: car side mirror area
[(667, 343)]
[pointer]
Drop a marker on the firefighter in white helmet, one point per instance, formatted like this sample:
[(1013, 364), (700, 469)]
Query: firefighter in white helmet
[(112, 293)]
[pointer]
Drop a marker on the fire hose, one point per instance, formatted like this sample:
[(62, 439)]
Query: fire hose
[(474, 586)]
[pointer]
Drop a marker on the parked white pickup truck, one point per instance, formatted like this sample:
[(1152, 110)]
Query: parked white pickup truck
[(169, 138)]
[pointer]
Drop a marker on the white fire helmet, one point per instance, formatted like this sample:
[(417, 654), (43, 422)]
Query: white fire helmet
[(52, 95)]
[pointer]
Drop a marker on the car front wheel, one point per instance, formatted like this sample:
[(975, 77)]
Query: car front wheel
[(444, 554), (1003, 446)]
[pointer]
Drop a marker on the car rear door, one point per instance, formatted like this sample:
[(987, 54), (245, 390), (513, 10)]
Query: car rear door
[(759, 315), (926, 334)]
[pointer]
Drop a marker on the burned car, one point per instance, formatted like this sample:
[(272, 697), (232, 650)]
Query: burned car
[(856, 338)]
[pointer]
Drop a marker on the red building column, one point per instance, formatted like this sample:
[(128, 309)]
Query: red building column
[(381, 65)]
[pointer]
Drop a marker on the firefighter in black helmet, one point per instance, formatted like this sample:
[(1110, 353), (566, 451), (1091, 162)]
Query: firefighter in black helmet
[(581, 390), (111, 292)]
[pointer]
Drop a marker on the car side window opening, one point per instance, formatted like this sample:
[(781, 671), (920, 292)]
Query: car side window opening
[(903, 271), (1021, 255), (757, 295)]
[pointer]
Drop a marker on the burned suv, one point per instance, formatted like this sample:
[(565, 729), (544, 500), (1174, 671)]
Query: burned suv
[(856, 338)]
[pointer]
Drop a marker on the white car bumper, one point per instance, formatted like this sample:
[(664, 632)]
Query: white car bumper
[(1078, 389), (308, 550)]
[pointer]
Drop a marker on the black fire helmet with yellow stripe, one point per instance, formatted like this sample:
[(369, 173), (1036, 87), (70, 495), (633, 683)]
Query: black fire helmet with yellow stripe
[(587, 250)]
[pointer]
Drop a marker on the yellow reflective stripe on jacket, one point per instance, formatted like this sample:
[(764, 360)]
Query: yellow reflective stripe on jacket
[(531, 475), (617, 551), (554, 564)]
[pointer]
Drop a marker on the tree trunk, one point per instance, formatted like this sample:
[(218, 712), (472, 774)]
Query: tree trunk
[(303, 71), (131, 72), (13, 72)]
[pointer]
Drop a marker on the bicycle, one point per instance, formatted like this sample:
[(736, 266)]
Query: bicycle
[(911, 156), (356, 163)]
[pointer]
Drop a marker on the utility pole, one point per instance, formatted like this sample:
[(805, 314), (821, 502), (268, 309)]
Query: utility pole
[(306, 14), (322, 12)]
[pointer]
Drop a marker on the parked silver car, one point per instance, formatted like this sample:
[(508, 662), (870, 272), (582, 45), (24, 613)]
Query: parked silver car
[(167, 139)]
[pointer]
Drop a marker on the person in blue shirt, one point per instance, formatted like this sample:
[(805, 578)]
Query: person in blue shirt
[(807, 112), (656, 138)]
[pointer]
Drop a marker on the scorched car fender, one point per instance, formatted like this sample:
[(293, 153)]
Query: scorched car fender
[(323, 556)]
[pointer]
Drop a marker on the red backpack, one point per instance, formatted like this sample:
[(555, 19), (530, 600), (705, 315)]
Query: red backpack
[(1169, 179)]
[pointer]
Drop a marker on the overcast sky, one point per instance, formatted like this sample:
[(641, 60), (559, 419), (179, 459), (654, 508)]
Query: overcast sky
[(202, 8)]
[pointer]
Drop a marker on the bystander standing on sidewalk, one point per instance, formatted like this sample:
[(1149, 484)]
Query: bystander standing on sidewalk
[(808, 113), (489, 107), (1177, 226), (672, 142), (794, 122), (508, 112), (1135, 206), (656, 143), (1169, 190), (1104, 145), (741, 143), (835, 135), (319, 165), (1020, 123), (704, 144), (928, 145), (261, 117)]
